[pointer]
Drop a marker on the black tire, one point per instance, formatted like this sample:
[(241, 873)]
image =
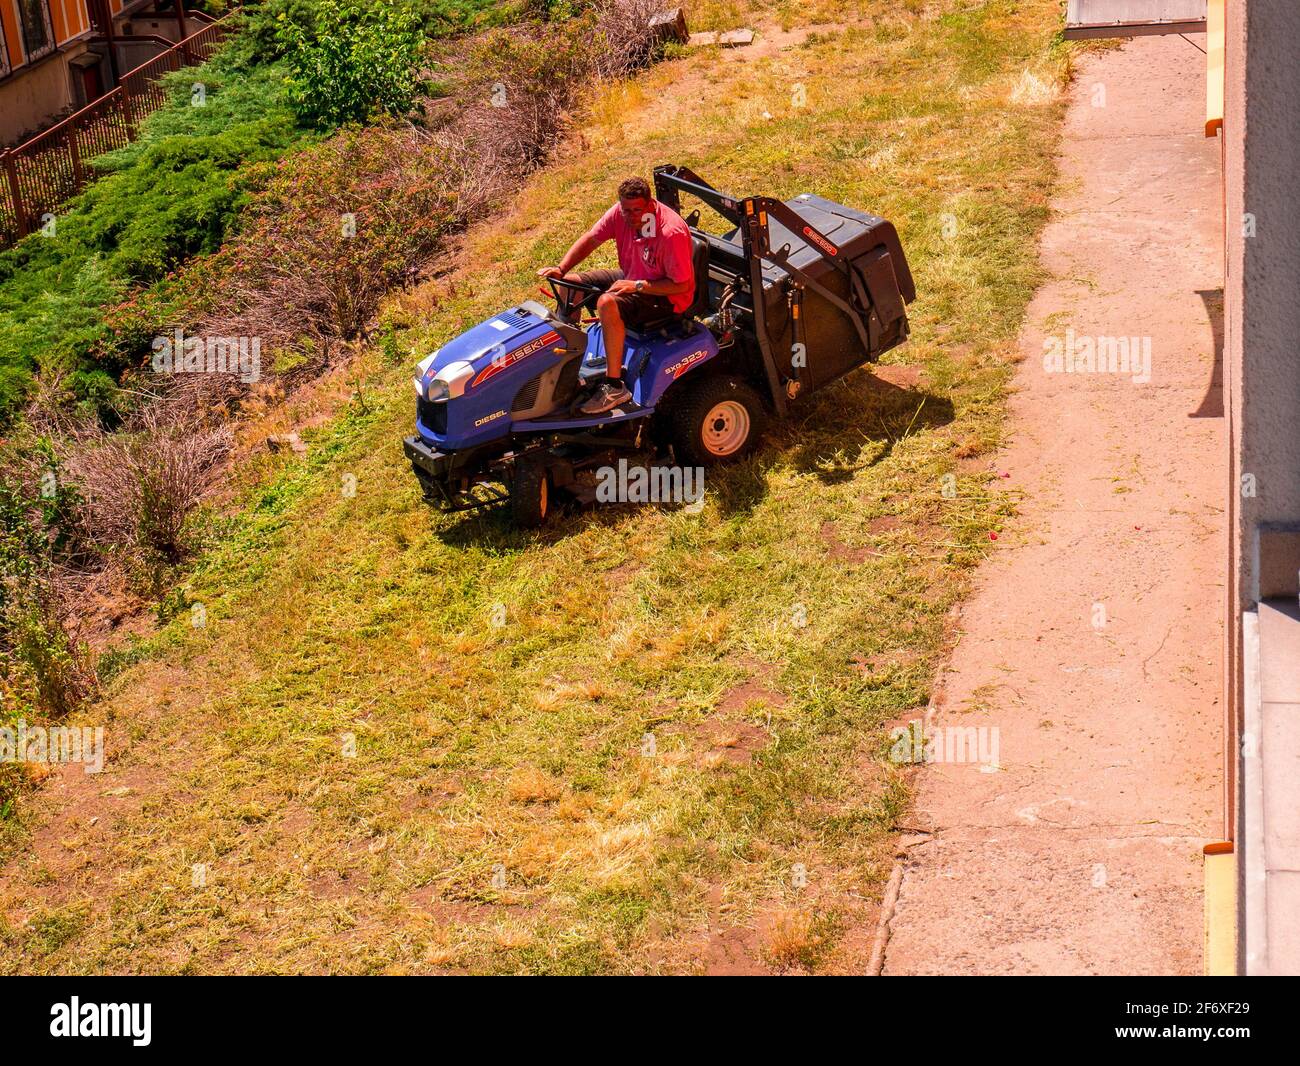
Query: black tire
[(718, 420), (530, 495)]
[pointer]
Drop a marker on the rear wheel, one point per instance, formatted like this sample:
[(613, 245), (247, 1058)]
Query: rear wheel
[(718, 421), (530, 495)]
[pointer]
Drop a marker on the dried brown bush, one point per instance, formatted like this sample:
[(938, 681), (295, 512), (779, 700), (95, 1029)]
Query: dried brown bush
[(519, 88), (138, 486), (333, 231)]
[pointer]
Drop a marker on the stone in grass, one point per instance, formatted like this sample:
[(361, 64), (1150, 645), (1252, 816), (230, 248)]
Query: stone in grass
[(728, 39), (278, 442), (736, 38)]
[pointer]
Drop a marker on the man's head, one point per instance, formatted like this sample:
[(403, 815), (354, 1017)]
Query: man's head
[(634, 198)]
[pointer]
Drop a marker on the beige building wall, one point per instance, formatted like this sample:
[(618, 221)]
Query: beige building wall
[(30, 96), (1261, 158), (1262, 182)]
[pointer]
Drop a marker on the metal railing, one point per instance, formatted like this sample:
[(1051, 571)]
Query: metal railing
[(46, 171)]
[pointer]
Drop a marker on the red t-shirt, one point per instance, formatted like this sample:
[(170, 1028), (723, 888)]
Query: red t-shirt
[(656, 248)]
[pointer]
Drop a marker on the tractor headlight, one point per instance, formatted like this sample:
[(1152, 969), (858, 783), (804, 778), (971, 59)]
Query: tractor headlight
[(422, 368), (449, 383)]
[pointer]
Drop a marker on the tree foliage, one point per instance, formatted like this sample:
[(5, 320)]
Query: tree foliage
[(353, 61)]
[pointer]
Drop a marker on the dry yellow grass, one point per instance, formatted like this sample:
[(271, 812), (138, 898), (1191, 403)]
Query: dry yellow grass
[(792, 939), (528, 784)]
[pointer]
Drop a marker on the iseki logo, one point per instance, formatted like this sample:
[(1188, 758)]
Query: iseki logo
[(179, 354)]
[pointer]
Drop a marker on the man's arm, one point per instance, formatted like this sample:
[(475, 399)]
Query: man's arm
[(662, 287), (583, 246), (679, 271)]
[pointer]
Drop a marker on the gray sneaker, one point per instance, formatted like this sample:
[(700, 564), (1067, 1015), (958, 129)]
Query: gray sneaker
[(606, 398)]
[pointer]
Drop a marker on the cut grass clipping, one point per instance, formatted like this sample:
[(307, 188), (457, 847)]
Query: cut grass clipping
[(644, 740)]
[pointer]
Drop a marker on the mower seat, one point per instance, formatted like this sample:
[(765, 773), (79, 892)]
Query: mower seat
[(700, 303)]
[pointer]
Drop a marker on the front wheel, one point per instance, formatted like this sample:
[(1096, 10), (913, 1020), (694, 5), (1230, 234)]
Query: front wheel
[(718, 421), (530, 495)]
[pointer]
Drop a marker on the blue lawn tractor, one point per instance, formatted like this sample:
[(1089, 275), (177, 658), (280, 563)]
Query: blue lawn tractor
[(793, 296)]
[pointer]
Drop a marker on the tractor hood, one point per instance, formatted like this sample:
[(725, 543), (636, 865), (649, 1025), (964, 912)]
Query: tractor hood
[(489, 348)]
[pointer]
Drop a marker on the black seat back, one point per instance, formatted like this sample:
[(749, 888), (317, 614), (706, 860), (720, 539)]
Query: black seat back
[(700, 262)]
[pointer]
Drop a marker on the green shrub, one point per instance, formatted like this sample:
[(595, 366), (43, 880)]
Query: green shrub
[(352, 62), (52, 672), (42, 666), (163, 200), (261, 39)]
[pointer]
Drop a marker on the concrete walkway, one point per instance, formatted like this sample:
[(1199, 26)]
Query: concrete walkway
[(1093, 642)]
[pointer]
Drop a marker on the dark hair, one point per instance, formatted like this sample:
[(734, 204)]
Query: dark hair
[(634, 189)]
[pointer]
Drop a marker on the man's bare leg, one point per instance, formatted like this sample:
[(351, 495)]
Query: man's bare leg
[(611, 325), (612, 393)]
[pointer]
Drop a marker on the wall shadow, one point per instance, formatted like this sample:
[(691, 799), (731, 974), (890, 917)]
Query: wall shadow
[(1211, 405)]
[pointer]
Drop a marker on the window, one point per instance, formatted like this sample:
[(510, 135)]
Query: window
[(4, 52), (37, 29)]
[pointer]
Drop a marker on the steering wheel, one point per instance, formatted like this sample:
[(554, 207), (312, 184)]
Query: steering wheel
[(576, 286), (570, 307)]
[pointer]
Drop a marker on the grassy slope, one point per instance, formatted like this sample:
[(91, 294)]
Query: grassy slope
[(518, 748)]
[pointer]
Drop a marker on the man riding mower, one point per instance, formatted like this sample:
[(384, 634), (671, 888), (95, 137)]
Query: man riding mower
[(707, 336), (655, 279)]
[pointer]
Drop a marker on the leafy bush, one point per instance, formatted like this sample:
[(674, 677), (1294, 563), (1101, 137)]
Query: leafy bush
[(261, 40), (352, 62), (42, 665), (53, 672), (168, 197)]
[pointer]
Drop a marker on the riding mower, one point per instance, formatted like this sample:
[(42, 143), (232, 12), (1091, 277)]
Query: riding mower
[(795, 295)]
